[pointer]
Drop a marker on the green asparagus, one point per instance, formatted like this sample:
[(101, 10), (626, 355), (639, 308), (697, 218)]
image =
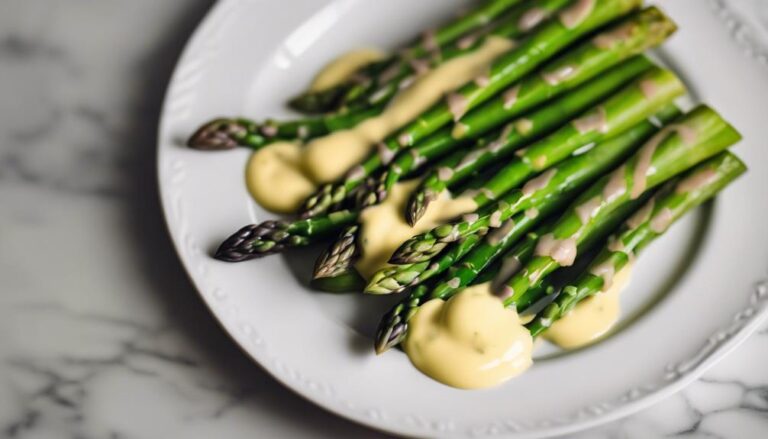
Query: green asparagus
[(227, 133), (541, 45), (334, 270), (673, 201), (501, 143), (632, 35), (621, 111), (269, 237), (698, 135), (393, 326)]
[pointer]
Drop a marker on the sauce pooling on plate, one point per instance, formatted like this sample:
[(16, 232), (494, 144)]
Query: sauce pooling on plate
[(328, 158), (470, 341), (591, 318)]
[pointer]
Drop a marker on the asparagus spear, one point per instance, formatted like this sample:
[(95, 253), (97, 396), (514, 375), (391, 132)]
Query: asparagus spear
[(697, 136), (227, 133), (430, 41), (397, 278), (334, 270), (257, 240), (621, 111), (517, 23), (482, 258), (394, 325), (547, 40), (674, 200)]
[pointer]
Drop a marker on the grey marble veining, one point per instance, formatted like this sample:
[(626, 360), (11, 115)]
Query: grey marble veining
[(101, 333)]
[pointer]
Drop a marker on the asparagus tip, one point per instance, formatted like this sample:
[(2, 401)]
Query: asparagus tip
[(417, 206), (416, 250), (389, 336), (249, 243), (217, 135)]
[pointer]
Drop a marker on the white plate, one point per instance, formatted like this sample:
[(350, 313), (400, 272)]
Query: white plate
[(707, 276)]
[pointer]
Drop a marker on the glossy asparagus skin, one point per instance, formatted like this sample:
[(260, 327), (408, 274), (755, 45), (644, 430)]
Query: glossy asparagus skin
[(393, 326), (678, 197), (496, 145), (463, 163), (395, 279), (541, 45), (695, 137), (632, 35), (616, 114)]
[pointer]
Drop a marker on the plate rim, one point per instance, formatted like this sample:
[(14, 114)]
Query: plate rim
[(718, 346)]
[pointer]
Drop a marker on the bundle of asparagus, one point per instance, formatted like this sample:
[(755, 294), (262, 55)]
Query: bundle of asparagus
[(563, 142), (678, 146)]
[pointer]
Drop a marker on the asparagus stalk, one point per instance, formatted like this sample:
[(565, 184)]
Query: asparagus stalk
[(677, 198), (541, 45), (697, 136), (621, 111), (393, 279), (394, 325), (269, 237), (430, 41), (228, 133)]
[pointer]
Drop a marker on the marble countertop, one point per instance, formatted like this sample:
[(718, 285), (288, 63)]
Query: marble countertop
[(101, 333)]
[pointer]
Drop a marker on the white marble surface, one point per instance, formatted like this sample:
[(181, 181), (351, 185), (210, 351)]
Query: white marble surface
[(101, 333)]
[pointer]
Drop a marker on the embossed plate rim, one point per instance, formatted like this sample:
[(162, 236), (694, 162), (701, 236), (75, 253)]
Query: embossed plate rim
[(184, 93)]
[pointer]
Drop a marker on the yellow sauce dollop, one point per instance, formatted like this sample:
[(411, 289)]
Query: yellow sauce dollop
[(275, 180), (470, 341), (592, 317)]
